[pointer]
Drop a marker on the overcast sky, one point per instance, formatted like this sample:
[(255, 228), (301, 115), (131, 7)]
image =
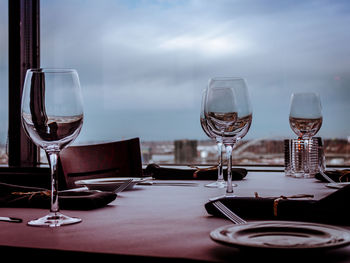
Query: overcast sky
[(143, 64)]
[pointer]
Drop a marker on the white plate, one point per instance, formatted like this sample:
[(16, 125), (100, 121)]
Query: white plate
[(282, 235), (109, 184), (337, 185)]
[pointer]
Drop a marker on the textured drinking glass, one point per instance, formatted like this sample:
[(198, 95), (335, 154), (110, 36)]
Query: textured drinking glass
[(304, 158), (228, 112), (305, 119), (52, 116)]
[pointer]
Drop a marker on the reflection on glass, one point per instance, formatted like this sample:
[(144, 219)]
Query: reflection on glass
[(228, 112), (52, 116), (305, 115)]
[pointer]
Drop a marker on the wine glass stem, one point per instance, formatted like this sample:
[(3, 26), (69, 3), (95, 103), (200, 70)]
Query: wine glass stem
[(220, 170), (229, 189), (307, 163), (53, 157)]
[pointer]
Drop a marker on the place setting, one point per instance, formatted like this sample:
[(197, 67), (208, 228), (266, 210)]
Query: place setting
[(284, 222), (295, 222), (52, 116)]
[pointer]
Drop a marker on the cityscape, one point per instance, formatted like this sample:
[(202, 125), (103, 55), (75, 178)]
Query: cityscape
[(246, 152)]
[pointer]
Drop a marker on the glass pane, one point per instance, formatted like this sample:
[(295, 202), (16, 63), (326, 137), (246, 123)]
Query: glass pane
[(143, 65), (3, 80)]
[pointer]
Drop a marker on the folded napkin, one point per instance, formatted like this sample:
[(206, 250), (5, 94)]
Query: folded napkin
[(191, 173), (335, 175), (331, 209), (23, 196)]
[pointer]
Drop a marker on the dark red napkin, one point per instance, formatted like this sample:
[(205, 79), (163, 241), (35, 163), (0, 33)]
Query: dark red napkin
[(23, 196), (335, 175), (331, 209), (190, 173)]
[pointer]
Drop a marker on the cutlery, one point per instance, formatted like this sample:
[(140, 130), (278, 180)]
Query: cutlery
[(325, 176), (228, 213), (168, 183), (79, 189), (123, 186), (10, 219), (120, 188)]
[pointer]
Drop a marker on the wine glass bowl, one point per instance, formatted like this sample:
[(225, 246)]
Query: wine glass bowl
[(228, 112), (52, 116), (305, 116), (55, 133)]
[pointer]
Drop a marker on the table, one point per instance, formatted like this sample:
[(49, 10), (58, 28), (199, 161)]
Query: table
[(156, 224)]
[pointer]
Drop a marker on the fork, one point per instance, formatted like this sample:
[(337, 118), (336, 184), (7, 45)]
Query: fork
[(325, 176), (123, 186), (228, 213)]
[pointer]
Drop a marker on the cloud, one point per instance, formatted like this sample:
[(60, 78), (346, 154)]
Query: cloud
[(155, 57)]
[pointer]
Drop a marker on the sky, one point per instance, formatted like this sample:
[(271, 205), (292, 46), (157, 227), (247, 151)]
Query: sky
[(143, 64)]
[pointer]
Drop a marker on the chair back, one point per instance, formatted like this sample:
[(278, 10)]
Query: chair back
[(113, 159)]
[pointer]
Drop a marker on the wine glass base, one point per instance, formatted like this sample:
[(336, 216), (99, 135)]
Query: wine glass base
[(219, 184), (54, 220)]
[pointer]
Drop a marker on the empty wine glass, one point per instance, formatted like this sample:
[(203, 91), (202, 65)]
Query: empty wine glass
[(220, 182), (228, 112), (52, 116), (305, 119), (305, 116)]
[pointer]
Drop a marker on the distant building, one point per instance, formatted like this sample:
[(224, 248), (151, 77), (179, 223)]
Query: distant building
[(185, 151)]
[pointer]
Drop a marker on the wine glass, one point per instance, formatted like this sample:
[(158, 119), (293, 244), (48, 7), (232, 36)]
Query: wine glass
[(228, 112), (305, 116), (52, 116), (305, 119), (220, 182)]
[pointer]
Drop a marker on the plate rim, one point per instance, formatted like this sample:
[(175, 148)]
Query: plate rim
[(345, 232)]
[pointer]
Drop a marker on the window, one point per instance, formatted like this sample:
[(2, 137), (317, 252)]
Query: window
[(143, 65), (3, 80)]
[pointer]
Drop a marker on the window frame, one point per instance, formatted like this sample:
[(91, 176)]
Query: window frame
[(24, 53)]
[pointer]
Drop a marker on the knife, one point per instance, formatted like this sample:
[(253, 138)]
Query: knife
[(168, 183), (10, 219)]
